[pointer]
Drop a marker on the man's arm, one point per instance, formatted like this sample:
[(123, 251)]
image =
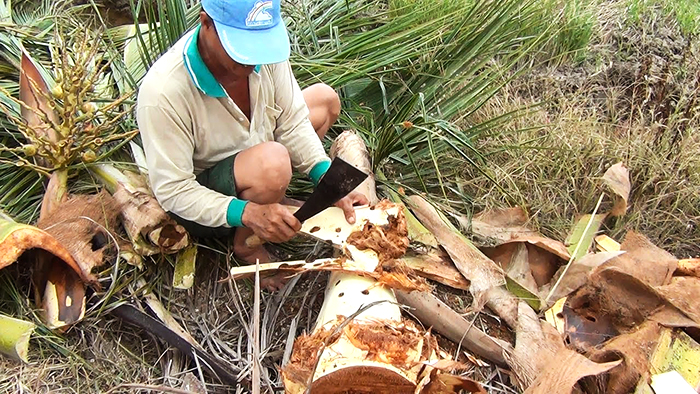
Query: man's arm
[(169, 146)]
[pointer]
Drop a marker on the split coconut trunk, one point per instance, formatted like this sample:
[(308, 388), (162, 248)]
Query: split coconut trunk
[(350, 147), (360, 343), (330, 360)]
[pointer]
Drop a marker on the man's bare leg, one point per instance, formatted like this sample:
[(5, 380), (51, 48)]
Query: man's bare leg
[(262, 174), (324, 107)]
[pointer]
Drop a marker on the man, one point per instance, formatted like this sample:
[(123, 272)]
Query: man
[(223, 121)]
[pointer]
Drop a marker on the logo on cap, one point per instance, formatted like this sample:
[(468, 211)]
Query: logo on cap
[(260, 14)]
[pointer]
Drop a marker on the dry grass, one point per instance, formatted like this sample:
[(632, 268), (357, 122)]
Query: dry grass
[(634, 100), (92, 357), (104, 354)]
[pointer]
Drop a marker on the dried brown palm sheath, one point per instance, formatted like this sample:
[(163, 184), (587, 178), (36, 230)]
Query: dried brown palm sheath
[(430, 311)]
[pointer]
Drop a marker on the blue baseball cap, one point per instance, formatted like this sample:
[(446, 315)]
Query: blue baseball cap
[(251, 31)]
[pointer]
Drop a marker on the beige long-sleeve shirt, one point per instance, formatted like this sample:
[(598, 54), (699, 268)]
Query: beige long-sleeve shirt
[(188, 123)]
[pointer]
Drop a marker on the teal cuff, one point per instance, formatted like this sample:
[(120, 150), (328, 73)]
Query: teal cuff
[(234, 212), (319, 170)]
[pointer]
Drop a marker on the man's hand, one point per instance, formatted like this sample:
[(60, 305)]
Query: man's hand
[(271, 222), (347, 202)]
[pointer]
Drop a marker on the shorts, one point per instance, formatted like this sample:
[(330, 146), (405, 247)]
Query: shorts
[(219, 178)]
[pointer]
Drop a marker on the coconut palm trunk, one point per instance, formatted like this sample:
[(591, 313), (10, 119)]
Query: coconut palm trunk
[(360, 342)]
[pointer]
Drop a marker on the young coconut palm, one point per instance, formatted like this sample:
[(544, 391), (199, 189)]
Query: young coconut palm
[(55, 126)]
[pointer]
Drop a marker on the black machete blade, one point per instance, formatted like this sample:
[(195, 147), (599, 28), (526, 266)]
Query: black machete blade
[(340, 179)]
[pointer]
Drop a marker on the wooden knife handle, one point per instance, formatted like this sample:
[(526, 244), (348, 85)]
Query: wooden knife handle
[(254, 241)]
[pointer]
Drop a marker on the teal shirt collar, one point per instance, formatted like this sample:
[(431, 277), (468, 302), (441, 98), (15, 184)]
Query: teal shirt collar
[(200, 74)]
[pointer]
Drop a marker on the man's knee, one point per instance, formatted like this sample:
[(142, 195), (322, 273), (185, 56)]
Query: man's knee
[(276, 166), (324, 105), (330, 98), (263, 172)]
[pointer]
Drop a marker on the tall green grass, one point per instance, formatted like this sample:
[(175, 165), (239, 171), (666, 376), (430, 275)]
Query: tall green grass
[(569, 31), (685, 12)]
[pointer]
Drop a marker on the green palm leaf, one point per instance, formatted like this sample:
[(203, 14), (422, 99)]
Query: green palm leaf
[(428, 64)]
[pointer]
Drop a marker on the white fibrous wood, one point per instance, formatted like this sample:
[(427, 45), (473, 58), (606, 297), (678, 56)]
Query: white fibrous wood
[(330, 225), (361, 343)]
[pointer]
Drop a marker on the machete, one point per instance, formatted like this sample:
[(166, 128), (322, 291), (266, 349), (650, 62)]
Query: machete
[(340, 179)]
